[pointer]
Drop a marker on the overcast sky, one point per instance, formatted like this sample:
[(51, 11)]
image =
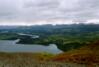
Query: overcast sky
[(28, 12)]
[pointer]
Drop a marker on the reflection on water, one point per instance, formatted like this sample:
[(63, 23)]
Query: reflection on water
[(11, 46)]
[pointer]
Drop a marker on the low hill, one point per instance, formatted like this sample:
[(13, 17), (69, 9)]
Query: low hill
[(86, 54)]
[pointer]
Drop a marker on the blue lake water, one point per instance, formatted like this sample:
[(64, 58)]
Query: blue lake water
[(11, 46)]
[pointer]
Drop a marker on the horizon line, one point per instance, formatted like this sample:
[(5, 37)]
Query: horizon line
[(47, 24)]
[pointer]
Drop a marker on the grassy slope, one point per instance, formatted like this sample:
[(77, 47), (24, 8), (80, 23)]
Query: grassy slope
[(32, 60), (87, 54)]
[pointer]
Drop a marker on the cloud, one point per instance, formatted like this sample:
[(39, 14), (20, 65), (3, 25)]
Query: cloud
[(30, 10)]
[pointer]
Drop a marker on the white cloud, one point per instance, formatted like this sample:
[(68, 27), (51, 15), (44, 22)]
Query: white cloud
[(28, 11)]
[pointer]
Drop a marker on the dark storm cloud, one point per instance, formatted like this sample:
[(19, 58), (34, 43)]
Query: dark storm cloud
[(29, 10)]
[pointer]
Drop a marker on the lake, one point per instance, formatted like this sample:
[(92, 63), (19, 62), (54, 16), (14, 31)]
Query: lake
[(11, 46)]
